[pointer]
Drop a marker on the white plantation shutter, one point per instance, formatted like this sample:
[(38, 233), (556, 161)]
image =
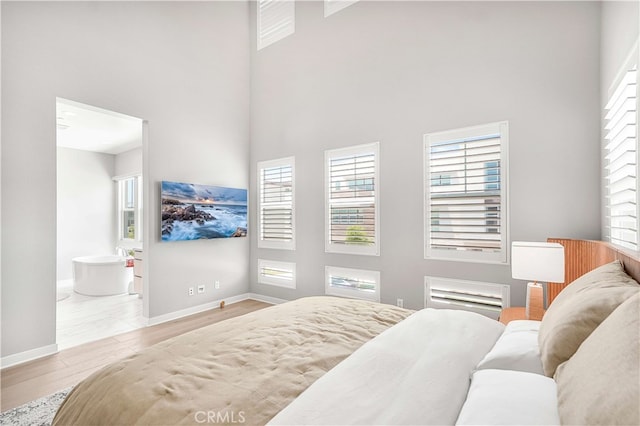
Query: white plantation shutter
[(621, 168), (351, 176), (465, 194), (276, 20), (280, 274), (484, 298), (355, 283), (276, 216)]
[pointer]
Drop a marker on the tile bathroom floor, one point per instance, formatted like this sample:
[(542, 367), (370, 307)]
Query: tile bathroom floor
[(81, 319)]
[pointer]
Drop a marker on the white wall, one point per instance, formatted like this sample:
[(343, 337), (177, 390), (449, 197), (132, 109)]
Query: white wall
[(128, 162), (393, 71), (86, 209), (620, 24), (183, 67)]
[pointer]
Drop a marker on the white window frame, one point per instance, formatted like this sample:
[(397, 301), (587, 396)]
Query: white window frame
[(268, 11), (333, 6), (611, 150), (137, 209), (273, 244), (356, 274), (275, 281), (331, 247), (501, 257)]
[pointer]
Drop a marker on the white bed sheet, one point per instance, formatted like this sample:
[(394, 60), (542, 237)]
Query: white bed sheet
[(416, 372)]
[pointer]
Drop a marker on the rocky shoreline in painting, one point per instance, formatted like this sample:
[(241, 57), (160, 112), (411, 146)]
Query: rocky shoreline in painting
[(194, 218)]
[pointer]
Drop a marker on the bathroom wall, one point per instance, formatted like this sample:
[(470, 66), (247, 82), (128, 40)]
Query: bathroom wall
[(86, 219), (128, 162)]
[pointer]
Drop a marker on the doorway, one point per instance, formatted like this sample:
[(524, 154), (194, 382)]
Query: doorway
[(99, 222)]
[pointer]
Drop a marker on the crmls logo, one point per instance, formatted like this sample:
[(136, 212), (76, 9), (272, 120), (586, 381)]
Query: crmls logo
[(219, 417)]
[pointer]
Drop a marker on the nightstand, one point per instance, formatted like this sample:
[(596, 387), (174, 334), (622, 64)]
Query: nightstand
[(518, 313)]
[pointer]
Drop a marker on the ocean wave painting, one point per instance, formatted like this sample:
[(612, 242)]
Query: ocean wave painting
[(192, 211)]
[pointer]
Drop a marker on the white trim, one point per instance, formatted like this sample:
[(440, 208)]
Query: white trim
[(280, 162), (503, 257), (371, 250), (266, 299), (197, 309), (270, 280), (356, 274), (26, 356), (126, 176)]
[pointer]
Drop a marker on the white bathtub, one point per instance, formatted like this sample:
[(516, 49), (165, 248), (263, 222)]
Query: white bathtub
[(101, 275)]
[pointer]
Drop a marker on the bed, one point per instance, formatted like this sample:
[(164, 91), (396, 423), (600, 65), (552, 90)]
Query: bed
[(325, 360)]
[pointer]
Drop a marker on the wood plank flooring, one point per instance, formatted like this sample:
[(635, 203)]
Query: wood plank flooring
[(44, 376)]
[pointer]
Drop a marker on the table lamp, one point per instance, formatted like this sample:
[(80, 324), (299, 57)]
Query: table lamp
[(535, 262)]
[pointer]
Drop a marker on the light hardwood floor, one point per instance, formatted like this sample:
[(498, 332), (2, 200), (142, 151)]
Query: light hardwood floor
[(35, 379)]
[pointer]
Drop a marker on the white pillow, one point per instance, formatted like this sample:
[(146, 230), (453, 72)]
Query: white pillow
[(516, 349), (503, 397)]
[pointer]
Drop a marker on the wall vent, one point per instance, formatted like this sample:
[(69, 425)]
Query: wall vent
[(484, 298)]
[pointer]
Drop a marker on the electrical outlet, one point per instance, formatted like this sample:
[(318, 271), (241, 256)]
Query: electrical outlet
[(217, 285), (200, 289), (400, 303), (191, 292)]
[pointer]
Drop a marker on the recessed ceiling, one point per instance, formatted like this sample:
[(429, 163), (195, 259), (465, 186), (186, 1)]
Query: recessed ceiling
[(89, 128)]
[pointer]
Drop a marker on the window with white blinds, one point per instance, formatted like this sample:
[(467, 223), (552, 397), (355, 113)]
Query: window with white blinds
[(354, 283), (351, 197), (484, 298), (621, 167), (276, 20), (333, 6), (466, 194), (276, 204), (280, 274)]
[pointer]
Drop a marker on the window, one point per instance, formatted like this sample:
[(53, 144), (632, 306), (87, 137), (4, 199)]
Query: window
[(333, 6), (276, 20), (276, 196), (351, 196), (621, 169), (484, 298), (354, 283), (280, 274), (466, 194), (130, 208)]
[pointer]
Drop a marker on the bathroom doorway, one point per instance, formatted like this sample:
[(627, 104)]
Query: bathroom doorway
[(99, 223)]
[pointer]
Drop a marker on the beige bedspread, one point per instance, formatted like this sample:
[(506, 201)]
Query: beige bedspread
[(242, 370)]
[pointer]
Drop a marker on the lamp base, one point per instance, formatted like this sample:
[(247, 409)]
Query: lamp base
[(534, 308)]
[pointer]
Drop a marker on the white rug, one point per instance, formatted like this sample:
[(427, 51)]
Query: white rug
[(35, 413)]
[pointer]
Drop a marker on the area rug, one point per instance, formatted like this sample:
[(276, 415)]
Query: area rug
[(39, 412)]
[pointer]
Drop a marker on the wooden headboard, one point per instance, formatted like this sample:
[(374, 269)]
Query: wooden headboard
[(581, 256)]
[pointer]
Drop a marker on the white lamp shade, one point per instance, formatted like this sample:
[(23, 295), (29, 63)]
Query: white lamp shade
[(537, 261)]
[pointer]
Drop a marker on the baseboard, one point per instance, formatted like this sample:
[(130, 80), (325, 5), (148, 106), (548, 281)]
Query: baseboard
[(266, 299), (197, 309), (30, 355)]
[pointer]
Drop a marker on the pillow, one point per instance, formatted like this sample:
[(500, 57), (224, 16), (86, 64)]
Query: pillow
[(516, 349), (503, 397), (579, 309), (600, 383)]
